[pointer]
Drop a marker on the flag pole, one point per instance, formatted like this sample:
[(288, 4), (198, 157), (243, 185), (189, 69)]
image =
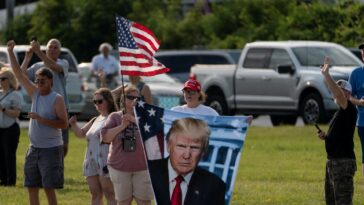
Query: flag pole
[(121, 69)]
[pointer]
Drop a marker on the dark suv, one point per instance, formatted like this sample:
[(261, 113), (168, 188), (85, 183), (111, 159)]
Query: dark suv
[(180, 61)]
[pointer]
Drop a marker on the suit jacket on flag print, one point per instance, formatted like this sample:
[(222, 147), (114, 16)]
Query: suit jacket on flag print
[(222, 157), (205, 188)]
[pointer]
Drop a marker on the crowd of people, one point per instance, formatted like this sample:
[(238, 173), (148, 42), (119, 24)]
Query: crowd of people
[(114, 165)]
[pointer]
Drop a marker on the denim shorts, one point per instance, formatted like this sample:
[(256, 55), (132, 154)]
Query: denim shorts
[(44, 167)]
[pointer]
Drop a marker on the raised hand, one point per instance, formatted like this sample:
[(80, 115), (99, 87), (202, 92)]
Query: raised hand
[(325, 67), (11, 45), (35, 46), (73, 120)]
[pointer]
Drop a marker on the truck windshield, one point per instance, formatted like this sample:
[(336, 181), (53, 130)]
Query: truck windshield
[(314, 56)]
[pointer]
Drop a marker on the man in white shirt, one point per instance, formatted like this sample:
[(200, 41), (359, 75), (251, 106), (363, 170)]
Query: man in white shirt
[(105, 67)]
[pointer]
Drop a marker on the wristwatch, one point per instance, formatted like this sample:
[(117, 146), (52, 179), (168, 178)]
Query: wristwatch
[(3, 109)]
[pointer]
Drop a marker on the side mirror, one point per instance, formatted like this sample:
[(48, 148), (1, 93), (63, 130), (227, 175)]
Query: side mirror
[(285, 69)]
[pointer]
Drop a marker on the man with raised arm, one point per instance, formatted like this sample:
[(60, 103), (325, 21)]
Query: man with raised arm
[(43, 166)]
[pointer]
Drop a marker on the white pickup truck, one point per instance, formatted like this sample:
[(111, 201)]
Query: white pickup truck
[(277, 78)]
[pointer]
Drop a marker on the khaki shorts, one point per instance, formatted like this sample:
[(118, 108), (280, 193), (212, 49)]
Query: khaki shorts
[(129, 184)]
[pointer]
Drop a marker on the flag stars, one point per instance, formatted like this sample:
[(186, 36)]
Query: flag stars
[(151, 112), (146, 127), (141, 103)]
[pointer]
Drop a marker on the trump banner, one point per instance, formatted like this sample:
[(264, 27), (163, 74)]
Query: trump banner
[(225, 142)]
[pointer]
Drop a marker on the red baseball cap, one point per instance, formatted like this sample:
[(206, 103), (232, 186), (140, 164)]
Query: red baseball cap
[(192, 85)]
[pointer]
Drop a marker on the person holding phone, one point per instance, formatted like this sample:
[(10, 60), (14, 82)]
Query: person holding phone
[(339, 142)]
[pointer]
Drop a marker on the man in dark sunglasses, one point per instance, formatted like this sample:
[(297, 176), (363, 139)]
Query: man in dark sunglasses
[(59, 68), (47, 117)]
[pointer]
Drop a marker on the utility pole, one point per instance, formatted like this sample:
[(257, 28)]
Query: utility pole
[(9, 10)]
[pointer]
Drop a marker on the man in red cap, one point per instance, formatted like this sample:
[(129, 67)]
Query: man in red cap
[(194, 98)]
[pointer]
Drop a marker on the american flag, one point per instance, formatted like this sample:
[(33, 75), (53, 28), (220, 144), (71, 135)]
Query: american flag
[(137, 46), (225, 143)]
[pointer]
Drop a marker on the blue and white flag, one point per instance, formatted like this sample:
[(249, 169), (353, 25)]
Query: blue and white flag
[(225, 143)]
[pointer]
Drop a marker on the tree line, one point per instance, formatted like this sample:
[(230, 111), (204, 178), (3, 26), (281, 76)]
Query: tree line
[(82, 25)]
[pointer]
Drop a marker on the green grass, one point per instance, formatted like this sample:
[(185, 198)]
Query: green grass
[(284, 165)]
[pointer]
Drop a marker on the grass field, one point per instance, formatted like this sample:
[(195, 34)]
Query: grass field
[(281, 165)]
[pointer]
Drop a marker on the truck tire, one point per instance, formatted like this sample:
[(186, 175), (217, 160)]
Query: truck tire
[(312, 109), (217, 101), (283, 119)]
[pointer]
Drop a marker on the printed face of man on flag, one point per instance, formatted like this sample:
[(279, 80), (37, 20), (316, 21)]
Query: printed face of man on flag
[(213, 143), (185, 152)]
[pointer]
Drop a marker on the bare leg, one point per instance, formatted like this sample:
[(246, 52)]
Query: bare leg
[(108, 190), (125, 202), (95, 189), (51, 196), (33, 195), (143, 202)]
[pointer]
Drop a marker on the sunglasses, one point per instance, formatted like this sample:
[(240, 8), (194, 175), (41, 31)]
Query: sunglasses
[(98, 102), (130, 97), (40, 81), (3, 78)]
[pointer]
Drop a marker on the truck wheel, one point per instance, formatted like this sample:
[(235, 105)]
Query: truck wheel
[(283, 119), (217, 102), (312, 109)]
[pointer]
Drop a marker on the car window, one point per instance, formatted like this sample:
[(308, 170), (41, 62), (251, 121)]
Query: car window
[(313, 56), (279, 57), (356, 52), (257, 58), (213, 59), (64, 55), (3, 57), (178, 64), (235, 55)]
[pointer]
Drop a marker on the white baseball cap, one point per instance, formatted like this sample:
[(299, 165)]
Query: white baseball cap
[(344, 85)]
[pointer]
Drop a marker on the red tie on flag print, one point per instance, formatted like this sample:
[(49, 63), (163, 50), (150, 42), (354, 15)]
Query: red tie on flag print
[(137, 46), (176, 198)]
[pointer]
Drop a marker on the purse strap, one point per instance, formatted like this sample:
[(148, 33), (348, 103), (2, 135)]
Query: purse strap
[(5, 95)]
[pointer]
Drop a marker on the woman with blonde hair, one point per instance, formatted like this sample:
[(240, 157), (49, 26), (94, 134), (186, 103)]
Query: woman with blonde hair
[(126, 161), (137, 81), (94, 167), (10, 105)]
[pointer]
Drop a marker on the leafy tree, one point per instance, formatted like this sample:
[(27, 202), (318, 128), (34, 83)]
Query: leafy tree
[(82, 25), (17, 28)]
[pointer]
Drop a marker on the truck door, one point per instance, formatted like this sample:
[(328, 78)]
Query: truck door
[(281, 86), (259, 85)]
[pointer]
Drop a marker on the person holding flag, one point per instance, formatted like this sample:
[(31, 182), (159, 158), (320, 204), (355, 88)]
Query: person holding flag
[(126, 161)]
